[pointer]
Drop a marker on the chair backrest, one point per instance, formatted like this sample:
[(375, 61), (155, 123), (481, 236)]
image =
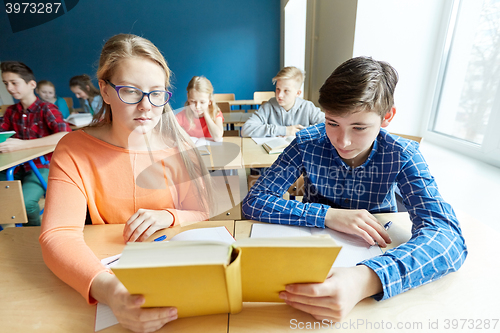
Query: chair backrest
[(262, 96), (297, 188), (410, 137), (11, 197), (3, 108), (69, 101), (224, 106), (223, 97)]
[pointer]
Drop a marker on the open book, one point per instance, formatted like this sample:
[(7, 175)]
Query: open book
[(208, 277), (277, 145), (79, 119)]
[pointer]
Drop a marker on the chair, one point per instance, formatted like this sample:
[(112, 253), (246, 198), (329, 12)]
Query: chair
[(69, 101), (223, 97), (11, 197), (261, 97), (3, 108), (224, 106)]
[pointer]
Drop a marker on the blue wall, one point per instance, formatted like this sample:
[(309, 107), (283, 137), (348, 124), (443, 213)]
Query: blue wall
[(234, 43)]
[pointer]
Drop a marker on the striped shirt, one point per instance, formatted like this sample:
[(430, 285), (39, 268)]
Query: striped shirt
[(436, 247)]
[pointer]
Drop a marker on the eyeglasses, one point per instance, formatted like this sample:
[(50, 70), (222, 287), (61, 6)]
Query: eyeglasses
[(133, 95)]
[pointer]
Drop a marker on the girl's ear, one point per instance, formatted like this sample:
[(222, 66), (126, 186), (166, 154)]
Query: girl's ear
[(104, 92), (388, 117)]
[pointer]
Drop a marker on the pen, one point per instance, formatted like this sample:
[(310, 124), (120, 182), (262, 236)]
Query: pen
[(159, 239), (387, 225)]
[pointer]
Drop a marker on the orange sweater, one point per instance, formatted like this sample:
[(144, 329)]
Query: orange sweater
[(86, 171)]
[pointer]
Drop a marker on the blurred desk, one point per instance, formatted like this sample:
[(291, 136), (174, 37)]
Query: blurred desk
[(34, 299), (255, 156), (225, 155), (8, 160)]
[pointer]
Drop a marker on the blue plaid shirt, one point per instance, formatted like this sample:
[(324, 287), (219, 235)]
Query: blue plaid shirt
[(436, 246)]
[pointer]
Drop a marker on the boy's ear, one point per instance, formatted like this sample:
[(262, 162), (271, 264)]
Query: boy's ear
[(104, 91), (388, 117), (299, 92), (32, 84)]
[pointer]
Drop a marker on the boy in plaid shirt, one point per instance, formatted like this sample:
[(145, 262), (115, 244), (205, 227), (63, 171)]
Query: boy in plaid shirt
[(36, 124)]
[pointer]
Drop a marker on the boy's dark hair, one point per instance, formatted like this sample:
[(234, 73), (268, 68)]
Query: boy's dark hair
[(18, 68), (359, 84)]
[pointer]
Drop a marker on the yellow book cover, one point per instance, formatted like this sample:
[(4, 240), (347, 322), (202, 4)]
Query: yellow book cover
[(197, 277), (209, 277), (269, 264)]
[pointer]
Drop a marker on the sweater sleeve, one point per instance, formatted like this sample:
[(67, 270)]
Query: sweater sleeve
[(63, 247), (259, 126)]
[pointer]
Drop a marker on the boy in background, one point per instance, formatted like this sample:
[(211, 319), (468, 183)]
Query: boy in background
[(287, 113), (36, 124), (351, 166)]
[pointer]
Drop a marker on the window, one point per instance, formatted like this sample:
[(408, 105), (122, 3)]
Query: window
[(468, 99)]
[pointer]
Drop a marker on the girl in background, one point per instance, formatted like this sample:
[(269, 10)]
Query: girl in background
[(201, 118), (109, 168), (47, 91), (89, 96)]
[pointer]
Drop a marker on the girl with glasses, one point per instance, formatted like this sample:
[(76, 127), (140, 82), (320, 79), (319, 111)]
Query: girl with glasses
[(133, 165), (201, 118)]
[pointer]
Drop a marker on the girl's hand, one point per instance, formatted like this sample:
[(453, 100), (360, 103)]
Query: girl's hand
[(334, 298), (144, 223), (358, 222), (106, 288), (12, 144)]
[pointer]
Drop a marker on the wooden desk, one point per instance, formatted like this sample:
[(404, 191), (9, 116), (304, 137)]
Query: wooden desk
[(8, 160), (225, 155), (470, 293), (33, 299), (236, 118), (255, 156)]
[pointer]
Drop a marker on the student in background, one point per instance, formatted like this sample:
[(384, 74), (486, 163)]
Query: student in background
[(201, 118), (36, 123), (47, 92), (287, 113), (89, 96), (351, 166), (134, 166)]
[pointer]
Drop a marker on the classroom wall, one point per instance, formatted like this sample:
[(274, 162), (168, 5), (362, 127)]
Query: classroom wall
[(409, 35), (234, 43)]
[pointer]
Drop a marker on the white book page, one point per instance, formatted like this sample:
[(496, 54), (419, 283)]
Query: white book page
[(219, 234), (354, 248), (104, 316), (260, 141)]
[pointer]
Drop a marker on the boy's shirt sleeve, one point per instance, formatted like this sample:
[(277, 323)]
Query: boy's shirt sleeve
[(316, 116), (54, 120), (436, 247), (265, 200), (7, 121), (258, 125)]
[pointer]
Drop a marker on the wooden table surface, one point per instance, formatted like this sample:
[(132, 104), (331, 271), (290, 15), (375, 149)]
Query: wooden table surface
[(255, 156), (33, 299), (224, 155), (8, 160)]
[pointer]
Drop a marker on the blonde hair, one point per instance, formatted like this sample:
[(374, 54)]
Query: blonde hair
[(290, 73), (203, 85), (125, 46)]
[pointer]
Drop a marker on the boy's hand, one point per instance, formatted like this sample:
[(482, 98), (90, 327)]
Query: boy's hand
[(291, 130), (11, 145), (106, 288), (146, 222), (334, 298), (358, 222)]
